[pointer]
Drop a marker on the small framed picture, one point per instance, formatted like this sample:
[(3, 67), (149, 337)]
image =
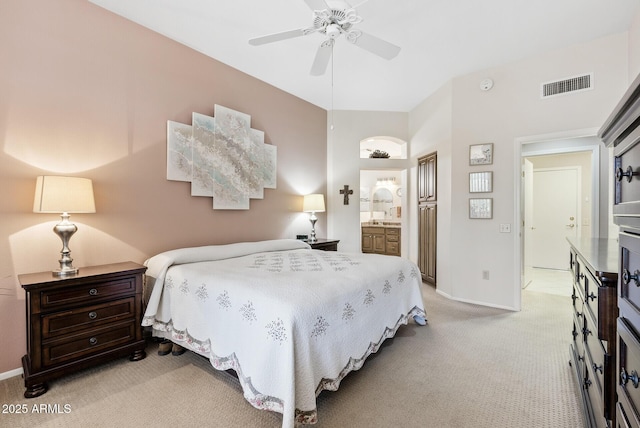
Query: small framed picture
[(481, 154), (481, 182), (481, 208)]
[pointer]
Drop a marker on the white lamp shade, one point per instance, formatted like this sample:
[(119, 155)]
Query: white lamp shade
[(313, 203), (55, 194)]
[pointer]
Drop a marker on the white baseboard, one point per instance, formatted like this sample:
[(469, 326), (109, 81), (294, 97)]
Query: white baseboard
[(473, 302), (10, 374)]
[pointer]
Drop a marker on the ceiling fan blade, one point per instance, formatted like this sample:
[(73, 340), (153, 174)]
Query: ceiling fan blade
[(376, 45), (270, 38), (323, 55), (316, 4)]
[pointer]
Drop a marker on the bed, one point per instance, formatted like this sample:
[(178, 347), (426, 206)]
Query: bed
[(289, 320)]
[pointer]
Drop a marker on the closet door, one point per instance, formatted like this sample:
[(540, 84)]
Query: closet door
[(427, 178), (427, 197), (428, 222)]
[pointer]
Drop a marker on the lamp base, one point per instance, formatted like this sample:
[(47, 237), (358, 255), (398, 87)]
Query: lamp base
[(65, 229), (65, 271), (313, 219)]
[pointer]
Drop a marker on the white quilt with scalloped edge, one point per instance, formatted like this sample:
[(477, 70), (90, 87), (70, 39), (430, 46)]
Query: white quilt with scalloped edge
[(289, 320)]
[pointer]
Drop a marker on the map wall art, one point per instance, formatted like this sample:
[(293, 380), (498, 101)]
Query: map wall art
[(222, 157)]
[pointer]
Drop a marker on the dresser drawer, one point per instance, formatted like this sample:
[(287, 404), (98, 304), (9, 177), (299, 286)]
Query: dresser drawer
[(594, 396), (628, 368), (629, 287), (391, 232), (87, 294), (595, 362), (75, 346), (623, 411), (627, 176), (70, 321)]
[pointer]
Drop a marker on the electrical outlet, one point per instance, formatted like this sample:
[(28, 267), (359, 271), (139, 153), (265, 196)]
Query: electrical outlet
[(485, 274), (505, 228)]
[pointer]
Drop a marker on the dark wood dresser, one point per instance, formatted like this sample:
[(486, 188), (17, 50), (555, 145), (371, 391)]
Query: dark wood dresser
[(75, 322), (594, 265), (622, 132)]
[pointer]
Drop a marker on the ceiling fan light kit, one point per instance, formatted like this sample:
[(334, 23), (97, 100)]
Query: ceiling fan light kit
[(333, 19)]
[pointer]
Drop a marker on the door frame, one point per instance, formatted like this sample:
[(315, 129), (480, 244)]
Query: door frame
[(519, 144)]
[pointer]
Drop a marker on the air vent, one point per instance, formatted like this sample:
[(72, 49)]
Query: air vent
[(569, 85)]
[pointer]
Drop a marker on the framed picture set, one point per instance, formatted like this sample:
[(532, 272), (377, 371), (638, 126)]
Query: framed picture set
[(481, 154), (480, 208), (481, 182)]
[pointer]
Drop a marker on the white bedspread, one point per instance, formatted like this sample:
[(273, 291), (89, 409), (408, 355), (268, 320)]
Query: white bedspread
[(289, 320)]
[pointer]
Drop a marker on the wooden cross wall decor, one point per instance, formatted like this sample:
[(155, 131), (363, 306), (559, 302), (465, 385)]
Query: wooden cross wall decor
[(346, 192)]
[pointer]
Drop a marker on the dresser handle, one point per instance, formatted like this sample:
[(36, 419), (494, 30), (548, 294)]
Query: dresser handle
[(627, 277), (578, 314), (592, 296), (587, 383), (586, 331), (93, 315), (581, 276), (598, 368), (93, 292), (93, 341), (624, 377), (628, 173)]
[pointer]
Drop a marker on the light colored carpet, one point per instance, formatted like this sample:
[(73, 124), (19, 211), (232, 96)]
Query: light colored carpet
[(471, 366)]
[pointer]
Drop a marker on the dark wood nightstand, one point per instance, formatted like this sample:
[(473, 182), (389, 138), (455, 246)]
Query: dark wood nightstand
[(325, 244), (75, 322)]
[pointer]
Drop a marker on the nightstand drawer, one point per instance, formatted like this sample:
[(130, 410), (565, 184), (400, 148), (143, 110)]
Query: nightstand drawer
[(87, 294), (87, 317), (71, 348)]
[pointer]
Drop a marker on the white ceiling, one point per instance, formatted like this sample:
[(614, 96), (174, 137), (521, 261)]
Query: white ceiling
[(440, 39)]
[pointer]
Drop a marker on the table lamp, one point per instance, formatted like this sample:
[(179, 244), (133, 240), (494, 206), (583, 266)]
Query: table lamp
[(312, 204), (55, 194)]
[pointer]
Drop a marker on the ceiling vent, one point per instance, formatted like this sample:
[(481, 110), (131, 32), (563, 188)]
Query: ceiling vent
[(565, 86)]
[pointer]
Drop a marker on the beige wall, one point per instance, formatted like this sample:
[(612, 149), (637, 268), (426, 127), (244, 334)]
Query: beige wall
[(85, 92), (634, 47), (510, 111)]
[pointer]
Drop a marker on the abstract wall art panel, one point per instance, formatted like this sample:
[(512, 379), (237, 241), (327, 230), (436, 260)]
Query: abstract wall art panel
[(222, 157)]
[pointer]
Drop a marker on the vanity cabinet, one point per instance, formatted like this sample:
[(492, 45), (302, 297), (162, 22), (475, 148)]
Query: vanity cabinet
[(381, 240)]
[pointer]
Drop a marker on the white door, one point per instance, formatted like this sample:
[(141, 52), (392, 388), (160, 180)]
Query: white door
[(527, 183), (555, 216)]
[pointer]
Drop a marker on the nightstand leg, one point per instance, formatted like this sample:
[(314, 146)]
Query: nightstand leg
[(138, 355), (36, 390)]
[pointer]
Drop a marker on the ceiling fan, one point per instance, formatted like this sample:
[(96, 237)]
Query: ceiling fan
[(333, 19)]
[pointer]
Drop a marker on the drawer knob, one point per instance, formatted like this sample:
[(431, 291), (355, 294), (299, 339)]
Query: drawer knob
[(598, 368), (627, 277), (620, 174), (592, 296), (93, 292), (93, 315), (586, 331), (624, 378), (93, 341)]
